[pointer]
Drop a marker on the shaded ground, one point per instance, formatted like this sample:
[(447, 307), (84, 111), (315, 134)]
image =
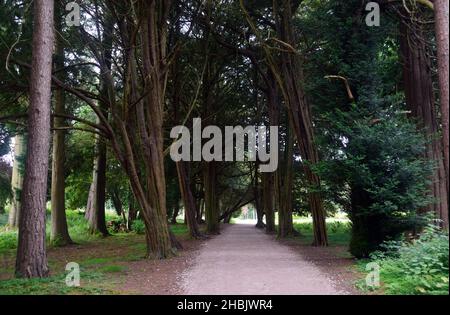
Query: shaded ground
[(246, 261), (159, 277), (112, 265)]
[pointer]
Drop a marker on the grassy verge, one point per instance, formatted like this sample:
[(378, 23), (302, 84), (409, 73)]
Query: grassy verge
[(103, 261)]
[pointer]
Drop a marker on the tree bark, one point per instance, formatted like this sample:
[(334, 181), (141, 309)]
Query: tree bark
[(268, 201), (285, 222), (31, 260), (95, 209), (188, 200), (132, 211), (160, 242), (210, 168), (258, 202), (200, 211), (419, 94), (176, 212), (59, 232), (17, 180), (96, 213), (290, 79), (441, 22), (211, 200)]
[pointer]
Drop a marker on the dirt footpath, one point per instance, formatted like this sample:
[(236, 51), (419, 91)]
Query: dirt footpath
[(245, 261)]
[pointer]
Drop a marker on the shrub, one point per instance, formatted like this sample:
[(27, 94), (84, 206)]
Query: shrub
[(417, 267), (138, 227), (381, 163)]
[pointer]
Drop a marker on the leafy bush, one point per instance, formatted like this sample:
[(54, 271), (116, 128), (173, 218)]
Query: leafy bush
[(418, 267), (381, 164), (138, 227)]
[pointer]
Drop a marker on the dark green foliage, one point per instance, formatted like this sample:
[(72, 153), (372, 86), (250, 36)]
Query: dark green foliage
[(380, 163), (418, 267), (78, 166), (372, 155)]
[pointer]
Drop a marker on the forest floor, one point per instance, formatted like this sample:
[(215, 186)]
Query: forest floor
[(241, 260)]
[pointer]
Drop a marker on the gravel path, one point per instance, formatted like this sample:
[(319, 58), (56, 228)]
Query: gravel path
[(245, 261)]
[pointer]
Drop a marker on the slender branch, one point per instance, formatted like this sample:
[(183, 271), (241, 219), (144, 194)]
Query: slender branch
[(347, 85)]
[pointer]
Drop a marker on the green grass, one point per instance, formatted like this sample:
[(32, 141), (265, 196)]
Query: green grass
[(78, 230), (96, 261), (101, 267), (102, 260), (55, 285), (112, 269), (338, 232), (179, 229)]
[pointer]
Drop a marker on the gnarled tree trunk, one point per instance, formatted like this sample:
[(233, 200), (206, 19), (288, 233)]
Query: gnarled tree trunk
[(290, 77)]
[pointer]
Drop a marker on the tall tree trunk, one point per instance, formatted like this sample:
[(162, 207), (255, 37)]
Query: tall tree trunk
[(59, 232), (419, 93), (31, 260), (96, 214), (188, 200), (176, 212), (211, 200), (17, 179), (190, 210), (268, 201), (441, 22), (132, 211), (290, 79), (285, 222), (200, 211), (117, 202), (95, 209), (258, 202), (210, 168), (160, 241)]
